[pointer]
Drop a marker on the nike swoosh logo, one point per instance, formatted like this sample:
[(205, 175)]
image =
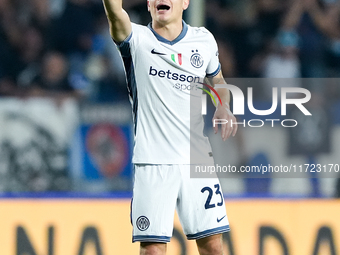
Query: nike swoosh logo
[(157, 53), (219, 220)]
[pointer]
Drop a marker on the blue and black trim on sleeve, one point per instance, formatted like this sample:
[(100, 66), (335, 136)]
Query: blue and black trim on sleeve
[(209, 232), (124, 46), (210, 75), (125, 50)]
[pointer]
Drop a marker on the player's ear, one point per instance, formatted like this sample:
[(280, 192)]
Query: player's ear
[(148, 3), (186, 4)]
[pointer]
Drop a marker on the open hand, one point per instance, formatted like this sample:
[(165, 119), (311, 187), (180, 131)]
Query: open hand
[(227, 120)]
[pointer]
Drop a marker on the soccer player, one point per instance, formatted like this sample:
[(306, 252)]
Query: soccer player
[(162, 61)]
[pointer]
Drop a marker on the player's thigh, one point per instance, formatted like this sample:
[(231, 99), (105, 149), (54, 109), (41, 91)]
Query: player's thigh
[(201, 207), (154, 200)]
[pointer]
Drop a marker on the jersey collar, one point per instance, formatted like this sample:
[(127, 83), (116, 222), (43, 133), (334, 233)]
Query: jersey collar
[(162, 39)]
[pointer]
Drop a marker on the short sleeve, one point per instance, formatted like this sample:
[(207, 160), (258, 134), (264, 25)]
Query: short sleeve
[(214, 65), (124, 46), (130, 42)]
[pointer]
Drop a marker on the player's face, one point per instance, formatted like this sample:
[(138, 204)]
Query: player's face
[(167, 11)]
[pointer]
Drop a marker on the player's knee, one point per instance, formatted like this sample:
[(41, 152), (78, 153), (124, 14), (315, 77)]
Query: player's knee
[(152, 248), (211, 245)]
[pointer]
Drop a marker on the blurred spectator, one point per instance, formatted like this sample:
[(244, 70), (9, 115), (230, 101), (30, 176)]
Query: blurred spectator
[(270, 13), (138, 11), (7, 87), (246, 25), (227, 58), (53, 80), (33, 12), (317, 24), (10, 35), (56, 8), (31, 51), (332, 28), (281, 59), (21, 44), (72, 31), (106, 86), (284, 63), (104, 67)]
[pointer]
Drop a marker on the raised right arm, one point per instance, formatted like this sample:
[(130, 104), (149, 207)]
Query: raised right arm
[(119, 21)]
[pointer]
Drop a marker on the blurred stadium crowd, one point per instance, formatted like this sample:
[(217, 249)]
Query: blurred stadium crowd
[(58, 48), (62, 48)]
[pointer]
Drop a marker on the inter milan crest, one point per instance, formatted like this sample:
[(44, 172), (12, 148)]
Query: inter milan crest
[(196, 59), (143, 223)]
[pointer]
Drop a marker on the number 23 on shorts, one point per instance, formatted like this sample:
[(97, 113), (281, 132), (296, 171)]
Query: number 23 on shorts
[(208, 204)]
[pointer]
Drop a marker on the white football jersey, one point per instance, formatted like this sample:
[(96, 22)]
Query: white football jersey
[(166, 104)]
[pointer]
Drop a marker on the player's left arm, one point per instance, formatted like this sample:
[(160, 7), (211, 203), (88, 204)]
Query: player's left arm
[(223, 111)]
